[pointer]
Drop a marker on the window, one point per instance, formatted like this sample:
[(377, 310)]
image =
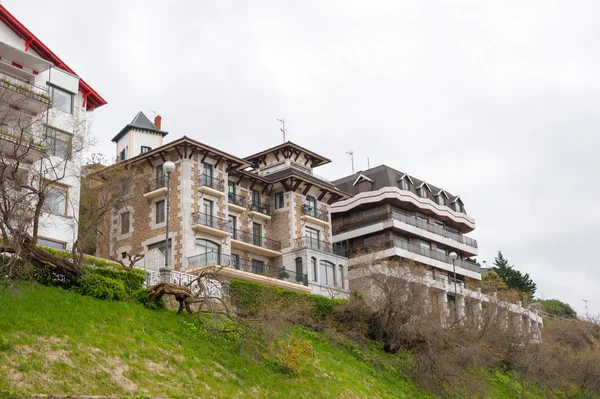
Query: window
[(145, 149), (256, 196), (207, 207), (403, 184), (298, 267), (313, 262), (279, 202), (312, 237), (231, 187), (257, 233), (125, 216), (58, 143), (441, 199), (342, 283), (422, 218), (205, 246), (327, 272), (311, 203), (123, 255), (258, 266), (61, 100), (453, 230), (235, 261), (424, 192), (439, 223), (52, 243), (123, 155), (56, 201), (441, 249), (208, 170), (160, 211), (161, 247), (232, 221), (425, 244)]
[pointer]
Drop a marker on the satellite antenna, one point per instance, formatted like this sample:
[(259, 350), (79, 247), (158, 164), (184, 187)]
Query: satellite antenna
[(351, 155), (282, 129)]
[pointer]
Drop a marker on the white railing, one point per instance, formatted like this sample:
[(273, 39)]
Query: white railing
[(208, 288), (153, 260)]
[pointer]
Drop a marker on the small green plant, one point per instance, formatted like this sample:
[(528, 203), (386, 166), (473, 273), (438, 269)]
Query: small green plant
[(283, 274), (6, 346), (293, 354), (142, 297)]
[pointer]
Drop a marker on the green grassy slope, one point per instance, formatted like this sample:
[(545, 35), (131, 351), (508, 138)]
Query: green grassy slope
[(58, 342)]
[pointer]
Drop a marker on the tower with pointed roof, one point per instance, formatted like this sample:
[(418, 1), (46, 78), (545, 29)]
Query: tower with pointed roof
[(139, 137)]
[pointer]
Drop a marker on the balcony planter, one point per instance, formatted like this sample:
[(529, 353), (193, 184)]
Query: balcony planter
[(283, 275)]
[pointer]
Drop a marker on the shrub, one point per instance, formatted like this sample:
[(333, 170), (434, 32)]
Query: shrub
[(132, 281), (142, 297), (291, 355), (101, 287)]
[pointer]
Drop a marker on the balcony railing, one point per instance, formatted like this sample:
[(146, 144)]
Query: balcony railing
[(315, 213), (212, 182), (247, 265), (260, 207), (15, 83), (211, 221), (384, 216), (318, 245), (237, 200), (419, 250), (157, 183), (257, 240)]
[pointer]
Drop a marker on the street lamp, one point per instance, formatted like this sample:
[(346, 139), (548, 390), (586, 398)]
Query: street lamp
[(453, 256), (168, 168)]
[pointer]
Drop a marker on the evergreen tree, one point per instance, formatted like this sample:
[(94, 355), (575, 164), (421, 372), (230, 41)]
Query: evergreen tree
[(512, 277)]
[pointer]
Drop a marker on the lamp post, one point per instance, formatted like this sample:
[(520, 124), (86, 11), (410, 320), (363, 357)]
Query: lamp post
[(453, 256), (168, 168)]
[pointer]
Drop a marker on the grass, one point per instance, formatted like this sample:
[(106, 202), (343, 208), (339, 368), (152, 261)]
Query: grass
[(58, 342)]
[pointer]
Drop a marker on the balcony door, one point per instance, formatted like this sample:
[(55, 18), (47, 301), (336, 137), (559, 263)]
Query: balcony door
[(311, 204), (209, 252), (207, 209), (256, 233), (312, 237)]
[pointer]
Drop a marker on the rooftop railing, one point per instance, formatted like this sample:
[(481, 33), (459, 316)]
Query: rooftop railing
[(212, 182), (211, 221), (411, 220), (250, 238)]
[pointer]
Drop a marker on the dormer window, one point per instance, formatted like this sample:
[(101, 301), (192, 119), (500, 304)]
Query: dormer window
[(424, 192), (457, 207), (441, 200), (404, 182)]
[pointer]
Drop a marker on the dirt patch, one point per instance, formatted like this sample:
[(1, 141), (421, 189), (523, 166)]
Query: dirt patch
[(115, 369)]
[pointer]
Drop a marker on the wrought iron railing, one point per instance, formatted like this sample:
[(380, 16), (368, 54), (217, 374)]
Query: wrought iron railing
[(315, 213), (211, 221), (212, 182), (15, 83), (257, 240), (157, 183), (237, 200), (318, 245), (416, 249), (259, 207), (247, 265), (389, 215)]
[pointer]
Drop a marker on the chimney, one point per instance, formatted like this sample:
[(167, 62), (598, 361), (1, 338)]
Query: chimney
[(157, 120)]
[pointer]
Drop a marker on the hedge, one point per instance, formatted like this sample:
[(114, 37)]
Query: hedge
[(251, 297)]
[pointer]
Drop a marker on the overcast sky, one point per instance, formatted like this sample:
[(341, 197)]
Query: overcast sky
[(494, 101)]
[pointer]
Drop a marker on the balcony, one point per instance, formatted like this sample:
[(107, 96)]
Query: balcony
[(23, 146), (156, 187), (24, 95), (418, 250), (211, 185), (313, 215), (211, 225), (260, 210), (318, 245), (237, 203), (410, 220), (249, 242), (234, 267)]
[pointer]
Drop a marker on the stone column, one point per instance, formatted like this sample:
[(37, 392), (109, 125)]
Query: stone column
[(460, 307), (442, 299), (165, 274)]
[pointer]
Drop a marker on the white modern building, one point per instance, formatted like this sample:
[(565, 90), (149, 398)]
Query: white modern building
[(42, 98)]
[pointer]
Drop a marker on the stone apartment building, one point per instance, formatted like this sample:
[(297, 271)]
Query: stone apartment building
[(395, 219), (262, 218), (43, 110)]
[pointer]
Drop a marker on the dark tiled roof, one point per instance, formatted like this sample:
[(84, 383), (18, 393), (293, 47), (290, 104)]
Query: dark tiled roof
[(282, 174), (140, 121), (384, 176), (318, 160)]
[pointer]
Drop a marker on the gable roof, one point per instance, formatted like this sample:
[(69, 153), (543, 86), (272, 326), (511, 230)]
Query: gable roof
[(442, 191), (140, 121), (405, 176), (360, 178), (90, 97), (288, 149)]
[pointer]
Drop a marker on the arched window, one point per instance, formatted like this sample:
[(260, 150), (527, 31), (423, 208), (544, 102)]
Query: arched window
[(327, 270), (313, 262), (208, 252), (342, 283)]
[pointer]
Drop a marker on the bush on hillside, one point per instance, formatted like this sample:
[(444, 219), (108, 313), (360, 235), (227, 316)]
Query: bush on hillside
[(101, 287), (142, 297)]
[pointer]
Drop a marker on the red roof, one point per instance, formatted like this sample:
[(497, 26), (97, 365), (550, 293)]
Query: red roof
[(92, 98)]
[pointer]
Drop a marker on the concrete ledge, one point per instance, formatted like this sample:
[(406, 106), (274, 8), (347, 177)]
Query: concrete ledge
[(156, 193)]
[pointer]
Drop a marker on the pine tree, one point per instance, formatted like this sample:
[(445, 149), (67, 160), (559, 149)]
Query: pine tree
[(512, 277)]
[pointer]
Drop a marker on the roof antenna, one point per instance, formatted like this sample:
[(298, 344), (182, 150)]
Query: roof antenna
[(282, 120), (368, 163), (153, 111), (586, 308), (351, 155)]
